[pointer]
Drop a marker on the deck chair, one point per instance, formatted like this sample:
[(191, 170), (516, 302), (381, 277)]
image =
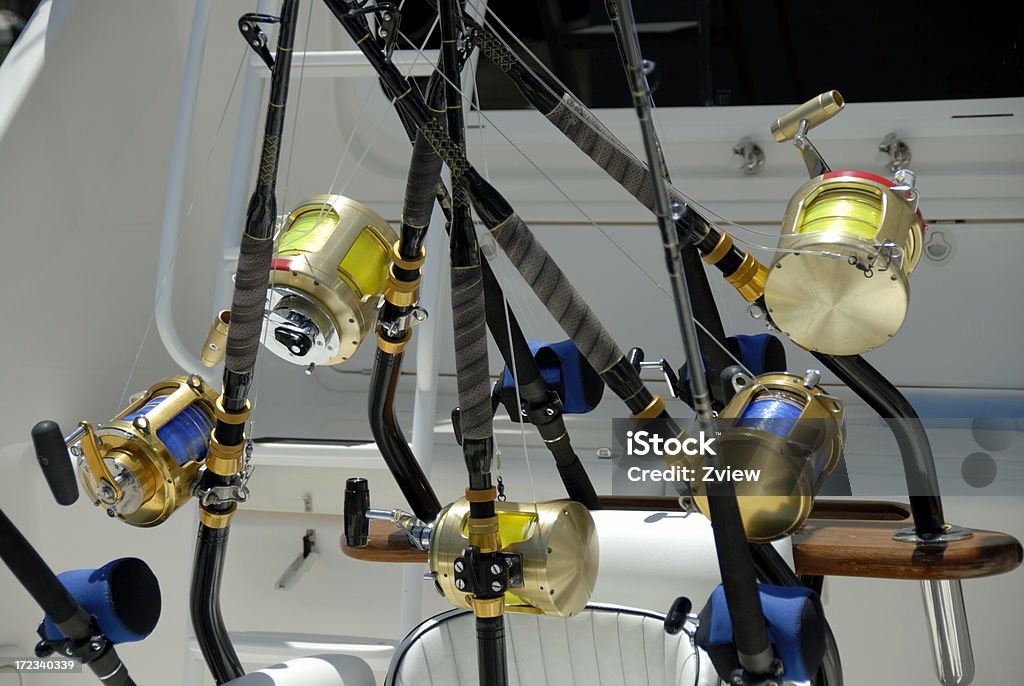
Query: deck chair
[(604, 645)]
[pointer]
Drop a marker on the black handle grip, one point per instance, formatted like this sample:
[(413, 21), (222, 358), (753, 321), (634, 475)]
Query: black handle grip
[(52, 454), (677, 615), (357, 502)]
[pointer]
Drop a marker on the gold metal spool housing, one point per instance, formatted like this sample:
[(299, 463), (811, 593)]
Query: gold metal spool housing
[(556, 541), (329, 271), (817, 290), (151, 485), (793, 468)]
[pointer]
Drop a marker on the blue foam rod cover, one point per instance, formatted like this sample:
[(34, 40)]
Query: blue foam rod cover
[(795, 621), (122, 596)]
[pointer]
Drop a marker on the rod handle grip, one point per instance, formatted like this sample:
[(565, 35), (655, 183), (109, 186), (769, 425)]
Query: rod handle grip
[(53, 458), (357, 503), (816, 111)]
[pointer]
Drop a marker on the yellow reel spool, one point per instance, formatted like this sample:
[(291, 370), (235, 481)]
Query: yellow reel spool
[(327, 276), (556, 544), (839, 283), (790, 430), (141, 465)]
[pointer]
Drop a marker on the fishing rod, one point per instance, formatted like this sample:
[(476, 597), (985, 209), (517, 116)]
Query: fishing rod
[(222, 480), (179, 439), (585, 130), (515, 238), (539, 92), (540, 404), (715, 358), (394, 326), (482, 556), (77, 633), (739, 581)]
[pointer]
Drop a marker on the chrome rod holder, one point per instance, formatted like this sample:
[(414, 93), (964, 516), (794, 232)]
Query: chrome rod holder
[(948, 632)]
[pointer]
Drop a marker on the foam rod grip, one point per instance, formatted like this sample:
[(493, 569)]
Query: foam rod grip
[(469, 323), (247, 304), (559, 296), (53, 458)]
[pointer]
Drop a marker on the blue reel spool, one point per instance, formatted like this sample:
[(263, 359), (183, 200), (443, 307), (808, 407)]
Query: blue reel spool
[(187, 435), (774, 414)]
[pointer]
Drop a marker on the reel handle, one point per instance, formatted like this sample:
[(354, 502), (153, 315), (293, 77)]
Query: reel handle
[(52, 455), (677, 615), (357, 504), (816, 111)]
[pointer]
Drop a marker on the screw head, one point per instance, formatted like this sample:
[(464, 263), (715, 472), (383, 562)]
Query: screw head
[(459, 566), (495, 569), (496, 586), (460, 584), (141, 423)]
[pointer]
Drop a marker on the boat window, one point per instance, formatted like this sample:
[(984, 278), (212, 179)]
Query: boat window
[(724, 52)]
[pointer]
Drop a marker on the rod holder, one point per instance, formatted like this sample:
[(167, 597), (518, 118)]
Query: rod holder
[(950, 636)]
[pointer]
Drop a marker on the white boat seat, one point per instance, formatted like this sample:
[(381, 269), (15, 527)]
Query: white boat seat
[(601, 646), (332, 669)]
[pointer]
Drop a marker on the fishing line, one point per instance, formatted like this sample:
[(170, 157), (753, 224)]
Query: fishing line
[(495, 19), (586, 216), (505, 302), (261, 359), (298, 99), (359, 119), (185, 227)]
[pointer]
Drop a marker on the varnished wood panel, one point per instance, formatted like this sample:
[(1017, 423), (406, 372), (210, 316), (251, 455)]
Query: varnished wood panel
[(387, 543), (867, 549)]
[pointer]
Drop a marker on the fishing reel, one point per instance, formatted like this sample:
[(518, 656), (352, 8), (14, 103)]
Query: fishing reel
[(839, 282), (142, 464), (549, 550), (784, 435), (327, 276)]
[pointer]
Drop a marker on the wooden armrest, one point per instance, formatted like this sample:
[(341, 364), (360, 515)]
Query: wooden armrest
[(867, 549)]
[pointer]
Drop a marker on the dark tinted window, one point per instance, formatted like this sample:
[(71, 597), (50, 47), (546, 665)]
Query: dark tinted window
[(764, 52)]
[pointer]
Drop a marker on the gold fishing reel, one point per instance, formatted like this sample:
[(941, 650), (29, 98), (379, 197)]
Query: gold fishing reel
[(783, 435), (141, 465), (327, 275), (551, 548), (839, 283)]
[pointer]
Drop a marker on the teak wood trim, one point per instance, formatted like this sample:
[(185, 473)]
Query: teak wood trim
[(867, 549), (386, 543)]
